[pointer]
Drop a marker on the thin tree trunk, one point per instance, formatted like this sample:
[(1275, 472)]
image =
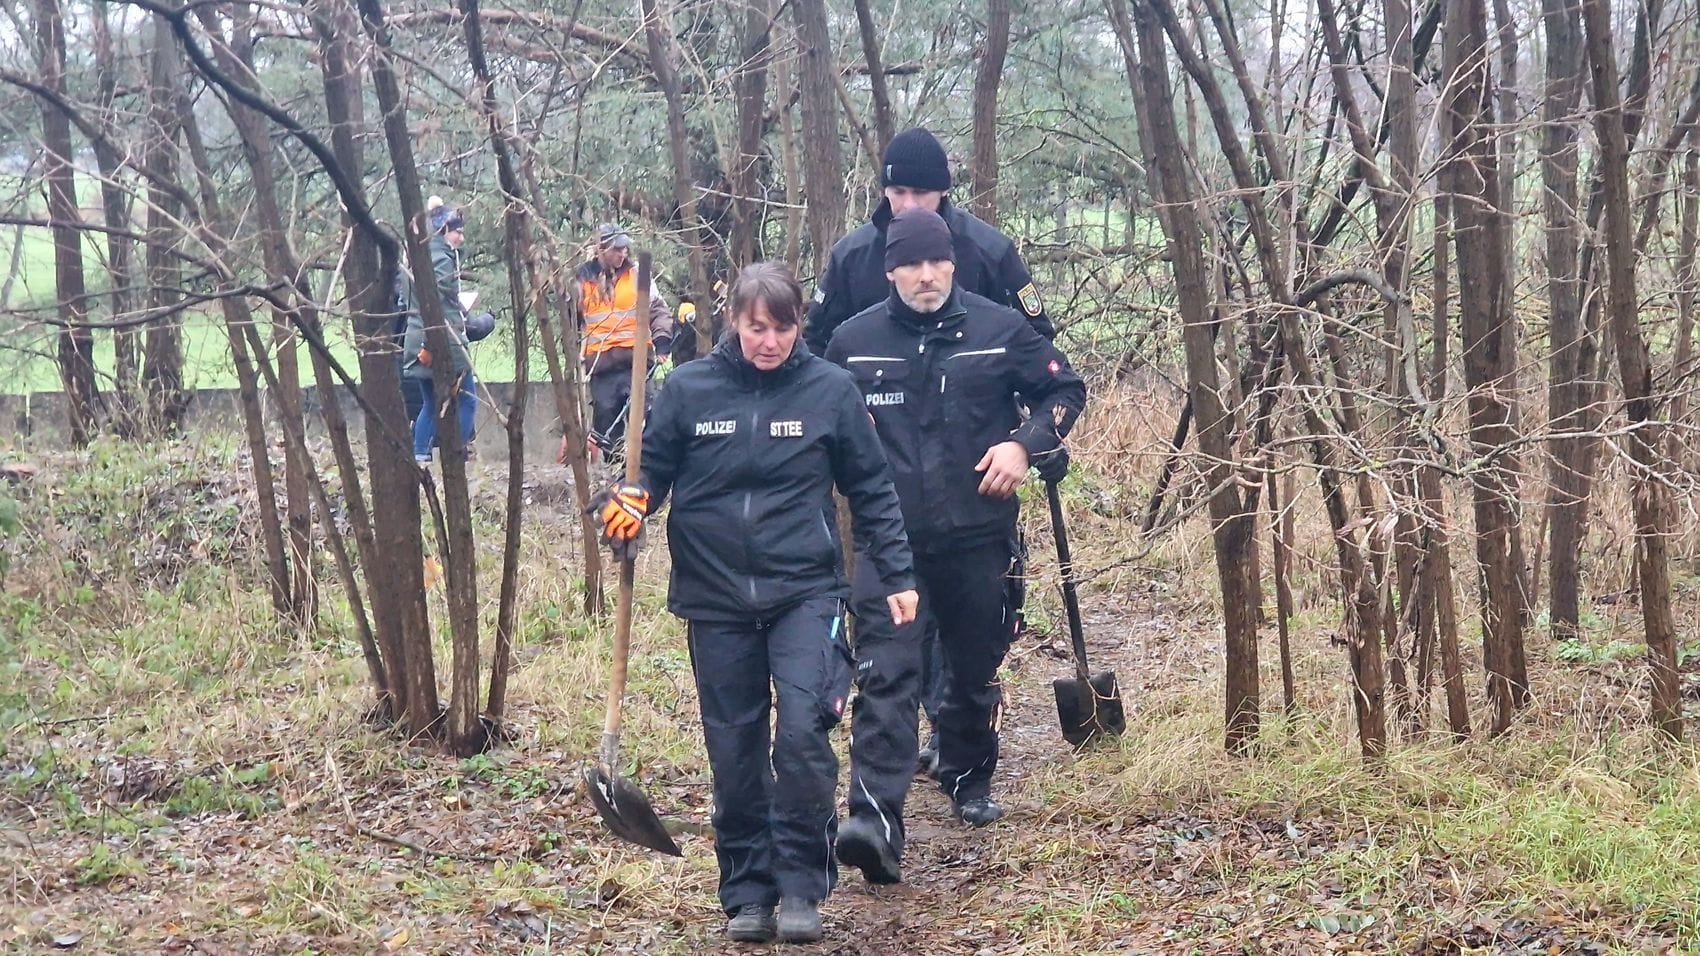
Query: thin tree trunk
[(1560, 197), (115, 204), (463, 733), (1505, 139), (1281, 530), (823, 160), (661, 56), (1688, 237), (1636, 371), (522, 276), (877, 87), (235, 57), (1437, 570), (1489, 347), (162, 363), (756, 52), (1233, 525), (398, 591), (983, 200), (782, 80), (566, 372), (75, 340)]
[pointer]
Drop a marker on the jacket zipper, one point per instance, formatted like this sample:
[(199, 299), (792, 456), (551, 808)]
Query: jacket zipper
[(749, 529)]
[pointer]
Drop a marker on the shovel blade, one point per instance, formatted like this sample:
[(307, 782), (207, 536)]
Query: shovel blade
[(626, 812), (1090, 708)]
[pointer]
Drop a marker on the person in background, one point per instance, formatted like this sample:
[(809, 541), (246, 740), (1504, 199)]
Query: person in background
[(605, 291), (448, 234)]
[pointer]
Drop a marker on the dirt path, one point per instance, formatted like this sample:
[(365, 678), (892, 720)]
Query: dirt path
[(994, 890)]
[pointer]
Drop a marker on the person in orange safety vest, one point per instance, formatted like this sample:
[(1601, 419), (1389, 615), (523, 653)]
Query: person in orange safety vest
[(606, 292)]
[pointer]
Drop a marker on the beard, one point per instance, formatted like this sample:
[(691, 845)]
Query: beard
[(925, 303)]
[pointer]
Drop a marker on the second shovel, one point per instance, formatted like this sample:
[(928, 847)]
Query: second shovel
[(1088, 704)]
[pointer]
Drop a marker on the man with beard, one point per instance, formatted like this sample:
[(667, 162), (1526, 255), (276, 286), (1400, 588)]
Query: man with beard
[(943, 372)]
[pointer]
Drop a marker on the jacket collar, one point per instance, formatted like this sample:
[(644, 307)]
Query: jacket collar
[(729, 353)]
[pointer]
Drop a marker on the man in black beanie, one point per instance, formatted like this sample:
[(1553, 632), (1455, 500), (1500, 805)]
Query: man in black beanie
[(943, 372), (916, 175)]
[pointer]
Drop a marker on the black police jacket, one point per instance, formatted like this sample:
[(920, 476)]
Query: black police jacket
[(986, 264), (942, 388), (750, 459)]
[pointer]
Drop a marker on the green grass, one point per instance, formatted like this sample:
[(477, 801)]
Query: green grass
[(27, 363)]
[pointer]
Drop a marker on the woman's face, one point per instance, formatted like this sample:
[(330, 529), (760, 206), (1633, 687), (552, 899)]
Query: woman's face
[(766, 343)]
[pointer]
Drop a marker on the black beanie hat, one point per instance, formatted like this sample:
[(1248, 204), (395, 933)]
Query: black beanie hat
[(915, 159), (917, 235)]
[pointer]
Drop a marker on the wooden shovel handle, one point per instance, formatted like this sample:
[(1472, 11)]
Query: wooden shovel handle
[(634, 471)]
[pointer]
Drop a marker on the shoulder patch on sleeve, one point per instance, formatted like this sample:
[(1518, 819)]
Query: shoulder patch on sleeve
[(820, 294), (1029, 296)]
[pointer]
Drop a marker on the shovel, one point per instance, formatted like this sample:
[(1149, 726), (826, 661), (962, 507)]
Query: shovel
[(623, 807), (1088, 704)]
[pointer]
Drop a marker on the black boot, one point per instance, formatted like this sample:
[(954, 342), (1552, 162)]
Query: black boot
[(927, 759), (862, 844), (752, 924), (979, 811), (799, 921)]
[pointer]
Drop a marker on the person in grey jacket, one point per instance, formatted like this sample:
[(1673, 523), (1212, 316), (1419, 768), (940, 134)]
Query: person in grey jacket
[(448, 233)]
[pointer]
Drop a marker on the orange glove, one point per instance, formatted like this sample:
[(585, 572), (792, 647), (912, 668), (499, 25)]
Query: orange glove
[(621, 511), (425, 357)]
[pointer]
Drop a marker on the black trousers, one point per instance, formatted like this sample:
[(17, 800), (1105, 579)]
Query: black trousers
[(971, 596), (775, 801), (610, 391)]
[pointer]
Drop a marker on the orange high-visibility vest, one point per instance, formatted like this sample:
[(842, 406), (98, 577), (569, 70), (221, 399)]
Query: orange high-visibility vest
[(610, 322)]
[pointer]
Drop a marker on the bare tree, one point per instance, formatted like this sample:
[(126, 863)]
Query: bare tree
[(76, 340), (755, 53), (1490, 347), (1560, 154), (1636, 371), (823, 161), (983, 199), (1233, 523), (661, 57), (879, 92)]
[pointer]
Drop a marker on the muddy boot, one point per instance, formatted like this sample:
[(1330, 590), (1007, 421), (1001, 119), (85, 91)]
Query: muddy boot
[(799, 921), (979, 811), (752, 924), (862, 844)]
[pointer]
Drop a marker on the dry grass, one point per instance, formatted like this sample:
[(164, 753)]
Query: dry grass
[(176, 767)]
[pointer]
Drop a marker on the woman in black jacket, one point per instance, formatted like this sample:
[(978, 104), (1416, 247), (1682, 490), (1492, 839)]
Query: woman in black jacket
[(750, 442)]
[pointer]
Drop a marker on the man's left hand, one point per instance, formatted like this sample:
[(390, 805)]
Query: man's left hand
[(1005, 467)]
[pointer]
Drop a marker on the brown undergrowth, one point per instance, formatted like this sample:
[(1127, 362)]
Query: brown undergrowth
[(180, 774)]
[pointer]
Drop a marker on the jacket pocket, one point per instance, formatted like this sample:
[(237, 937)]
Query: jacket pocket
[(971, 384), (882, 379)]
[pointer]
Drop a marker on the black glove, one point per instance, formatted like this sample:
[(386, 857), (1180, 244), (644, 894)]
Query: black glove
[(1052, 466), (479, 326)]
